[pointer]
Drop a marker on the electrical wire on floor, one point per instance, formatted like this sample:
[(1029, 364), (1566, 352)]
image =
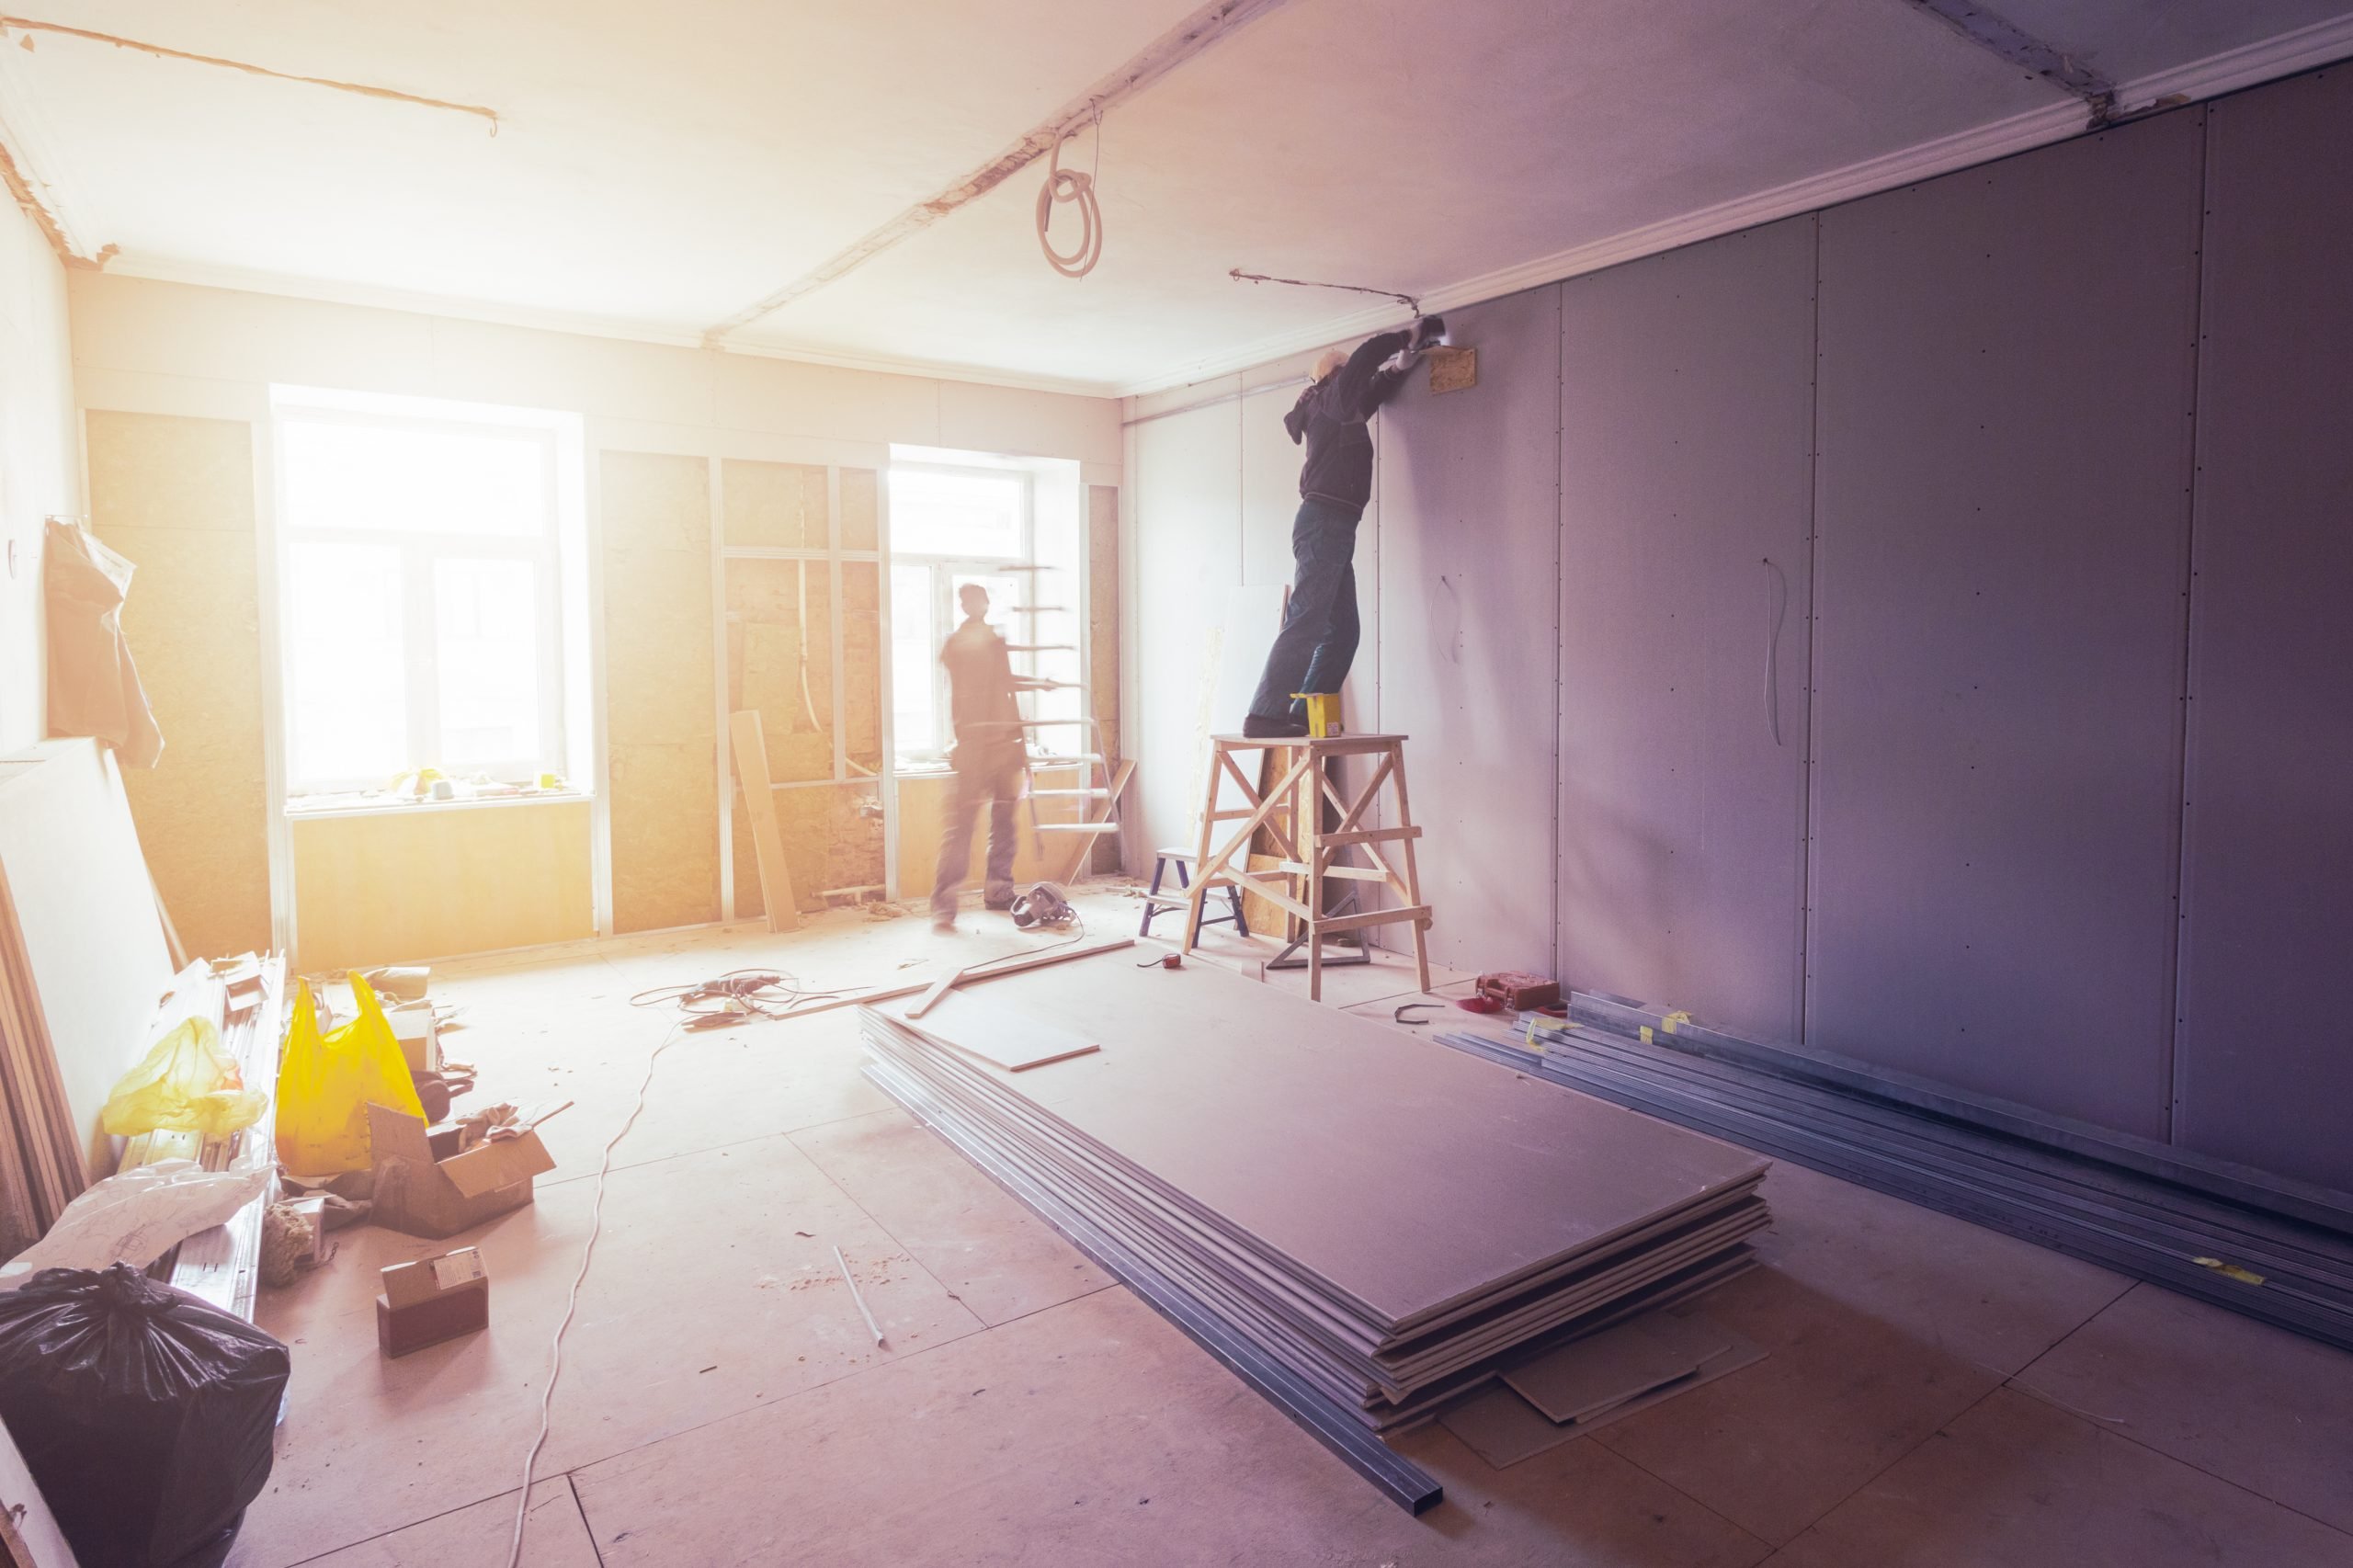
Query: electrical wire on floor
[(572, 1300), (742, 993)]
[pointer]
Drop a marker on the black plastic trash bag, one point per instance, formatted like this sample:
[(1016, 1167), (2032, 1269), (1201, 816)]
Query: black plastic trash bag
[(144, 1413)]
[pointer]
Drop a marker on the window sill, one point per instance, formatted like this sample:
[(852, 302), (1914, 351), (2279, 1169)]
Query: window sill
[(389, 805)]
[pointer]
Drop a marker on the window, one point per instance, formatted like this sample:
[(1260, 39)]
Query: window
[(423, 595), (950, 527)]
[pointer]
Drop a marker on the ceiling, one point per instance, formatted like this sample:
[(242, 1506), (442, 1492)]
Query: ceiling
[(656, 173)]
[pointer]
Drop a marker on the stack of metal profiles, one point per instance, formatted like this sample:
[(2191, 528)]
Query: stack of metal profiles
[(2260, 1243), (1360, 1224)]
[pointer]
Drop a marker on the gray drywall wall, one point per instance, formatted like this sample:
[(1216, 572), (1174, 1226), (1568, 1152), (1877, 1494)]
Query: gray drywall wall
[(1187, 553), (2002, 511), (1687, 502), (2264, 1055), (1468, 574)]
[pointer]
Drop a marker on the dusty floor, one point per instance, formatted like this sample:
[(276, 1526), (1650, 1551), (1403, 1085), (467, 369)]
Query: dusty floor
[(1935, 1394)]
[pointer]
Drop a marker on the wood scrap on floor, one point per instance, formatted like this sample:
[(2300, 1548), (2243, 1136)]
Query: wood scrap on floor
[(748, 745), (1598, 1380), (1290, 1185)]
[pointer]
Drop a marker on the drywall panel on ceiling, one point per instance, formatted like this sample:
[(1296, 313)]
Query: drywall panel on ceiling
[(422, 882), (2001, 560), (1687, 510), (175, 495), (1468, 568), (1186, 544), (661, 705), (2266, 897)]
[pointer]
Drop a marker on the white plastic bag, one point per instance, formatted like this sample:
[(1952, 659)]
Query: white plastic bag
[(138, 1215)]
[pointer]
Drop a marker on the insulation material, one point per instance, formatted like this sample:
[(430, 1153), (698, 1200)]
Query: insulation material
[(662, 722), (780, 661), (833, 838), (862, 503), (175, 496), (778, 505), (862, 664), (1686, 515)]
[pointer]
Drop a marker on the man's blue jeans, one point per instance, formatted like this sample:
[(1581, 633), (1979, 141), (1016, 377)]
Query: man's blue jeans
[(1318, 640)]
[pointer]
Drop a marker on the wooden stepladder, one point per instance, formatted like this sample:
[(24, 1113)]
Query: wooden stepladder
[(1290, 811)]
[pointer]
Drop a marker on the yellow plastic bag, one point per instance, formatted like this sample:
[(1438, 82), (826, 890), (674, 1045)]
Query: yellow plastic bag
[(187, 1084), (327, 1081)]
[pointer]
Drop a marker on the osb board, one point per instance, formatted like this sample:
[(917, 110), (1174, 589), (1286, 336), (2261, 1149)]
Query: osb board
[(781, 505), (661, 716), (861, 509), (781, 666), (1103, 635), (88, 916), (829, 842), (862, 662), (175, 495), (390, 887), (923, 805)]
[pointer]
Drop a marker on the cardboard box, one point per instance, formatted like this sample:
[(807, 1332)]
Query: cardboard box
[(432, 1196), (420, 1036), (432, 1299)]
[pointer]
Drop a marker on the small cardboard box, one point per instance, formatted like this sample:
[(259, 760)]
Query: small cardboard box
[(414, 1027), (432, 1299), (433, 1198)]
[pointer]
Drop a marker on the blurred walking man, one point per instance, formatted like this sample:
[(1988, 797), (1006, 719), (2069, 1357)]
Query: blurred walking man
[(988, 758)]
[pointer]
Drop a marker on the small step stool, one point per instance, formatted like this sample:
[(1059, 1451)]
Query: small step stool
[(1290, 811), (1155, 902)]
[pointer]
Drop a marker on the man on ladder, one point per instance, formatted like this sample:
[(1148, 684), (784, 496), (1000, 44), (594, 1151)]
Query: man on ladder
[(988, 758), (1318, 638)]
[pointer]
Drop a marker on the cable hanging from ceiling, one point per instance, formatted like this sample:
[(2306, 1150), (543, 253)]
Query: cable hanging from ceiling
[(1078, 189)]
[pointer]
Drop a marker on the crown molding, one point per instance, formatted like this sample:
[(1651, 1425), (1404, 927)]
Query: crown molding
[(252, 280), (2321, 43)]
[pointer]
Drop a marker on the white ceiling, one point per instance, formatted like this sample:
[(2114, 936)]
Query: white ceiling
[(655, 172)]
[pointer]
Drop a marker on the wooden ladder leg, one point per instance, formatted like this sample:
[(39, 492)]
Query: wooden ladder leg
[(1308, 806), (1198, 889), (1413, 873)]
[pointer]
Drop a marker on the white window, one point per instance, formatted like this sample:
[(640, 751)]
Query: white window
[(424, 623), (950, 526)]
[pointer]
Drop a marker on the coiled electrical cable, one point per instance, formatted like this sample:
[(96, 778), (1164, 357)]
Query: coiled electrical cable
[(1068, 185)]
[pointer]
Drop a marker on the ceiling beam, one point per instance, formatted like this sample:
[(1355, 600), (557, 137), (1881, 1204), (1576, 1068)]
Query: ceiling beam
[(2004, 40), (1218, 20)]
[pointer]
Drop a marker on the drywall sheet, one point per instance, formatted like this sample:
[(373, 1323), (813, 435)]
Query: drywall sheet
[(1468, 589), (2001, 560), (423, 881), (661, 705), (1686, 515), (89, 915), (1186, 552), (175, 495), (2262, 1072)]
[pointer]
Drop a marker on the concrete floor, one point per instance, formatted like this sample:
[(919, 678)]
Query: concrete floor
[(1934, 1394)]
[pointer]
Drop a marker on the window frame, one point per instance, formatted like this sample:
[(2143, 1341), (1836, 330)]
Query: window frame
[(944, 569), (419, 550)]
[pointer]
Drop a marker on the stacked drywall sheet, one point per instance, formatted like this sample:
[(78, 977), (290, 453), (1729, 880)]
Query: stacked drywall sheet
[(1381, 1222)]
